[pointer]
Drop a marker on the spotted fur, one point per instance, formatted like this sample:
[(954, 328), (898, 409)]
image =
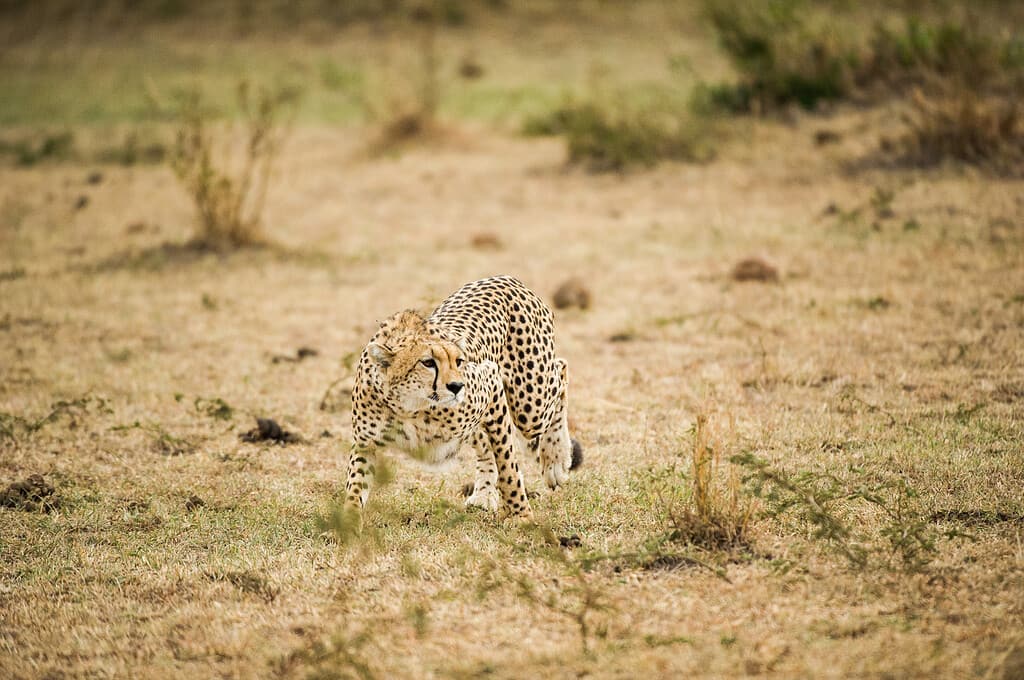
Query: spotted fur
[(481, 369)]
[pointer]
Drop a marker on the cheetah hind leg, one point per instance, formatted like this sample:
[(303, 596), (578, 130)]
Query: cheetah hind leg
[(557, 452), (483, 493)]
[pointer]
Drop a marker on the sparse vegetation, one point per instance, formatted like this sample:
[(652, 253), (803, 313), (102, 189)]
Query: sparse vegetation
[(850, 424), (28, 151), (407, 102), (905, 538), (228, 197), (782, 55)]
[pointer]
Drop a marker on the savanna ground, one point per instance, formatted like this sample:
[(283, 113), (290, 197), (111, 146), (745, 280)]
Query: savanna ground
[(879, 375)]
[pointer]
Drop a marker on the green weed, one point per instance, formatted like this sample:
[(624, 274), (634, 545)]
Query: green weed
[(906, 538), (12, 425)]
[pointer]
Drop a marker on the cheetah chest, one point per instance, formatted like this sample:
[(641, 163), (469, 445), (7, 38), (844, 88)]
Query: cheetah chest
[(436, 435)]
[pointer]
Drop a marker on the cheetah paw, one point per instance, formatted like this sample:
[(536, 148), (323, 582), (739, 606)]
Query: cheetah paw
[(520, 518), (487, 498), (556, 474)]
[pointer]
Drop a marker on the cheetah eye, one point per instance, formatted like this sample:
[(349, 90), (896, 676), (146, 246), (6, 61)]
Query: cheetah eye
[(429, 363), (460, 361)]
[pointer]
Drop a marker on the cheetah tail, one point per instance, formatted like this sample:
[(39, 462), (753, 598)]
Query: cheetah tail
[(577, 455)]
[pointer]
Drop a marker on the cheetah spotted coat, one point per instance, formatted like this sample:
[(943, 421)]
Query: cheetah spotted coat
[(495, 337)]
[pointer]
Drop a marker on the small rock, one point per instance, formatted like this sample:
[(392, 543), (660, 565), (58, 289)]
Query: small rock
[(486, 240), (81, 202), (94, 177), (823, 137), (572, 293), (470, 68), (755, 269), (194, 502)]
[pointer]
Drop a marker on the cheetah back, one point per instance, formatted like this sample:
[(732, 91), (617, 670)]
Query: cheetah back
[(501, 320)]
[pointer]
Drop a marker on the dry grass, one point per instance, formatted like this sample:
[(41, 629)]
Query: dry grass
[(886, 358), (964, 126)]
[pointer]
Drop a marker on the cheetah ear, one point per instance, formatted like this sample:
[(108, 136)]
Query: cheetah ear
[(381, 354)]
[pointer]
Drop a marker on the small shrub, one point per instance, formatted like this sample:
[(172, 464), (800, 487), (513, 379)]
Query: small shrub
[(785, 53), (716, 515), (919, 51), (229, 199), (780, 56), (408, 110), (603, 139), (574, 593), (698, 500)]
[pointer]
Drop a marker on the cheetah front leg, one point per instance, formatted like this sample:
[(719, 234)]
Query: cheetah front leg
[(362, 462), (498, 427), (554, 445), (368, 436), (485, 488)]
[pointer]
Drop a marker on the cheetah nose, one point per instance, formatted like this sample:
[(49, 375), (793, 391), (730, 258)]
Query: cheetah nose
[(454, 387)]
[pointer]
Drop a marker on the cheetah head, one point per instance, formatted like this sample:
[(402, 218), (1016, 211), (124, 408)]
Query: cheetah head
[(419, 368)]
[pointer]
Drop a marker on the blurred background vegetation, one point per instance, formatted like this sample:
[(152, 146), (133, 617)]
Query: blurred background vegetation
[(626, 84)]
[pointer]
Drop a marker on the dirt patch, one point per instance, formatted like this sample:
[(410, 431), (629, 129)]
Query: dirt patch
[(33, 494)]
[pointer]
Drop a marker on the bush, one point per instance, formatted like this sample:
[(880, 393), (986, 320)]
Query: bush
[(786, 53), (924, 53), (603, 139), (780, 57), (229, 199)]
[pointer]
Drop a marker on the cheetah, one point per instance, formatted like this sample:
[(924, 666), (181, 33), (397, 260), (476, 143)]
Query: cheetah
[(481, 369)]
